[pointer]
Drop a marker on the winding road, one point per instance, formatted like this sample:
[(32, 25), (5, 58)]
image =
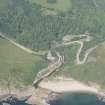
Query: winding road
[(55, 65), (87, 52), (81, 43), (46, 72)]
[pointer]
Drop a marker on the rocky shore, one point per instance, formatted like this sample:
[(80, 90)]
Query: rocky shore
[(47, 92), (30, 96), (27, 96)]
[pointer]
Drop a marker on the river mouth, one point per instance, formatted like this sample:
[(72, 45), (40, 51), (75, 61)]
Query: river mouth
[(77, 99)]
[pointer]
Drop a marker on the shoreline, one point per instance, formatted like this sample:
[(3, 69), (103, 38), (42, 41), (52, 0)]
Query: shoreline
[(52, 90)]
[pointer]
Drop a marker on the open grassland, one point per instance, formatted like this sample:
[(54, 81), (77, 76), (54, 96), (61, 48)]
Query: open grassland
[(93, 70), (59, 5), (3, 3), (17, 66)]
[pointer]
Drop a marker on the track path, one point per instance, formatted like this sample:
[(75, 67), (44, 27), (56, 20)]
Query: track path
[(81, 43), (21, 47), (50, 70), (59, 63), (59, 58)]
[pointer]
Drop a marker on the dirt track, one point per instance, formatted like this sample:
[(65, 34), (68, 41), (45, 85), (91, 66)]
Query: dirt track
[(21, 47)]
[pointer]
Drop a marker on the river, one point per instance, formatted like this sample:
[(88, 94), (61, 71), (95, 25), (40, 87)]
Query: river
[(77, 99)]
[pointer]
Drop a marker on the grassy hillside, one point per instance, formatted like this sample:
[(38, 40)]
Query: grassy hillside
[(93, 70), (17, 66)]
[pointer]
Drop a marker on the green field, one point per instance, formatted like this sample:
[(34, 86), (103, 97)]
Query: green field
[(3, 3), (60, 5), (93, 70), (16, 65)]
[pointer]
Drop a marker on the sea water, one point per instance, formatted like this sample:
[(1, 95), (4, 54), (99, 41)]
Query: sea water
[(69, 99), (78, 99)]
